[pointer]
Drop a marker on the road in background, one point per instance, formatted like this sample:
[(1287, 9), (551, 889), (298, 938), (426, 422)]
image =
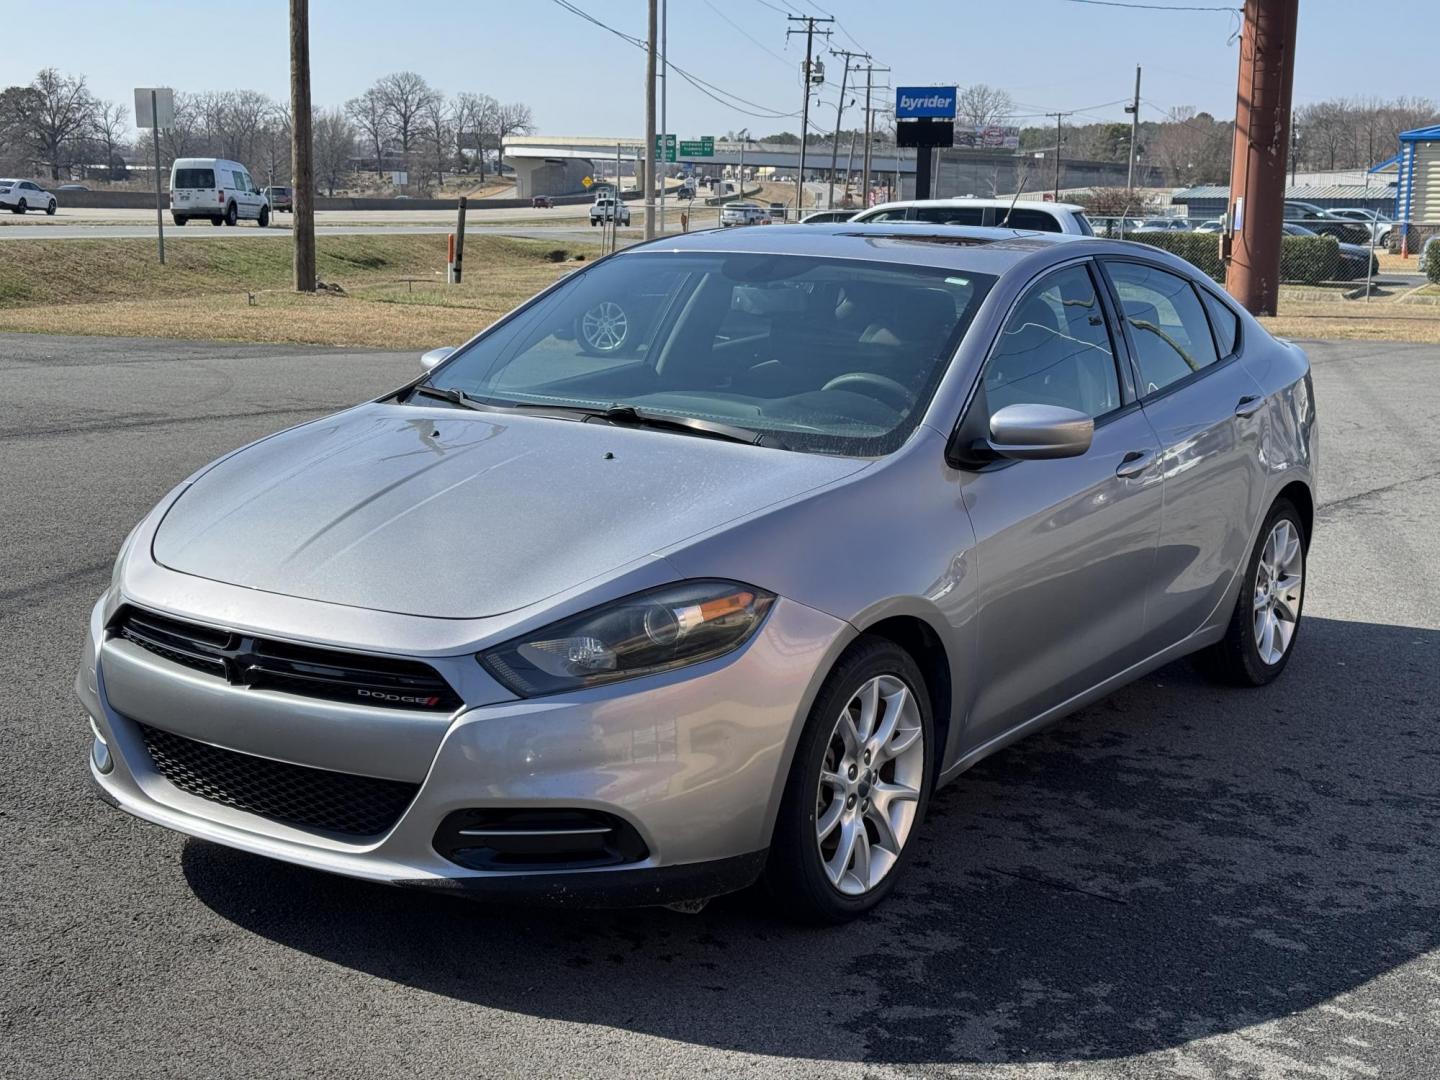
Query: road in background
[(1180, 881)]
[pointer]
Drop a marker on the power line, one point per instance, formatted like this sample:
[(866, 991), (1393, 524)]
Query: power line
[(1155, 7)]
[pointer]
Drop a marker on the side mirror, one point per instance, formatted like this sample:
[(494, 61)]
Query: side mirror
[(1030, 432), (434, 356)]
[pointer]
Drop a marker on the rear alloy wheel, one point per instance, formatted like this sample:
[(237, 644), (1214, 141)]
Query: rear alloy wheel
[(232, 214), (1261, 635), (179, 219), (20, 207), (217, 221), (857, 788), (50, 209)]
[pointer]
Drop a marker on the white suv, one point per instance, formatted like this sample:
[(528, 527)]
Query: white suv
[(216, 189), (20, 195), (1028, 215)]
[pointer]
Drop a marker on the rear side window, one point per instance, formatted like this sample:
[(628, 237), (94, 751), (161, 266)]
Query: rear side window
[(1167, 324), (1029, 220), (194, 178), (950, 215), (1223, 322)]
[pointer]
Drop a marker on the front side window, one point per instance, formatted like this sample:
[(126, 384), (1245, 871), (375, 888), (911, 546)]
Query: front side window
[(831, 355), (1055, 349), (1167, 324)]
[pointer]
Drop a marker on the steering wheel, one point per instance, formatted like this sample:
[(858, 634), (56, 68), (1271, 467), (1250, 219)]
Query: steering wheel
[(884, 389)]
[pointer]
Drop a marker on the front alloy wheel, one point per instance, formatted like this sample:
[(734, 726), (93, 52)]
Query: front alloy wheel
[(870, 785), (857, 788)]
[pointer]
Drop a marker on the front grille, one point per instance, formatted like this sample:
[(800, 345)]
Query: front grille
[(355, 678), (295, 794)]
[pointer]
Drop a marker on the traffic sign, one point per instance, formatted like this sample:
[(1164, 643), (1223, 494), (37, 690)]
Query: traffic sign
[(155, 107), (668, 141), (701, 147), (588, 181)]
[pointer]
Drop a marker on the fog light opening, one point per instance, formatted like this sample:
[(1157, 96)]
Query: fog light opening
[(100, 750)]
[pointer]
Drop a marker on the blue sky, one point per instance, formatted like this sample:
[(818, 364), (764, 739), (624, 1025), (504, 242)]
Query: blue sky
[(1049, 54)]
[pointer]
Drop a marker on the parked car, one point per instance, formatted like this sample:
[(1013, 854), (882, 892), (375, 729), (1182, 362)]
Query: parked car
[(1214, 225), (20, 196), (857, 512), (744, 213), (280, 198), (605, 209), (217, 189), (1163, 224), (1005, 213), (827, 217), (1377, 224), (1355, 260), (1326, 223), (541, 202)]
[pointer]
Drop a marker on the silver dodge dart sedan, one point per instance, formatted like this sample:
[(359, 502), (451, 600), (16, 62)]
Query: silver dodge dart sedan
[(709, 564)]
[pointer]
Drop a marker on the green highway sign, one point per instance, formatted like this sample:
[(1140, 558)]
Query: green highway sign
[(669, 143), (701, 147)]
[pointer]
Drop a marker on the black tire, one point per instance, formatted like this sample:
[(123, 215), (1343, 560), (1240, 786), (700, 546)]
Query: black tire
[(232, 214), (217, 221), (795, 875), (264, 219), (1235, 659), (179, 219), (50, 208), (20, 207)]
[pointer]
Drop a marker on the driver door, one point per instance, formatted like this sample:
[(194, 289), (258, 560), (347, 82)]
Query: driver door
[(1065, 548)]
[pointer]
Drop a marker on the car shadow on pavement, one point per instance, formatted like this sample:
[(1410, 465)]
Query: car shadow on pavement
[(1175, 862)]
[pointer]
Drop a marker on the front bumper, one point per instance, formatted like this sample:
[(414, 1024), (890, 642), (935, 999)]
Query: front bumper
[(695, 761)]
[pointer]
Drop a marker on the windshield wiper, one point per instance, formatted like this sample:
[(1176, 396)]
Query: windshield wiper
[(448, 393), (689, 425)]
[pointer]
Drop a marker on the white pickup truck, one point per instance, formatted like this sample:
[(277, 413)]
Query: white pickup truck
[(604, 209)]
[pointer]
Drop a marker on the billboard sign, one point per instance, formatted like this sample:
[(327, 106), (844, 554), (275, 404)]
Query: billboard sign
[(664, 147), (987, 136), (701, 147), (924, 102)]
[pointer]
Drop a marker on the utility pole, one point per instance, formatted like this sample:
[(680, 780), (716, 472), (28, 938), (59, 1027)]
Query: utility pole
[(1059, 119), (302, 168), (870, 70), (1134, 110), (1257, 177), (806, 77), (839, 112), (648, 154), (1295, 150), (664, 128)]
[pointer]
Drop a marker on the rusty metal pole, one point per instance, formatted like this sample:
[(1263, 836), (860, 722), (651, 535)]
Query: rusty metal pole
[(302, 161), (1262, 141)]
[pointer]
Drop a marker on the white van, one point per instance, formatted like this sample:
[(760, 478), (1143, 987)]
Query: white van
[(216, 189)]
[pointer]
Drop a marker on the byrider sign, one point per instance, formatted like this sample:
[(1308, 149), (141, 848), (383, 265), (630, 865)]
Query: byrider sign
[(924, 102)]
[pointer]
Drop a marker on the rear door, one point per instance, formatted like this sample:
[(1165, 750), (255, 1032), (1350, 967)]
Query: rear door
[(1207, 412)]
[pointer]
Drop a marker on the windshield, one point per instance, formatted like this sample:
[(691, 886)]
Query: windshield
[(829, 355)]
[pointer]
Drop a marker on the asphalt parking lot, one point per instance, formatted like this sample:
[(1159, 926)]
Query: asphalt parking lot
[(1181, 881)]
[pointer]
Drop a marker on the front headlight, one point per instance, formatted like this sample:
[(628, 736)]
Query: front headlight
[(650, 632)]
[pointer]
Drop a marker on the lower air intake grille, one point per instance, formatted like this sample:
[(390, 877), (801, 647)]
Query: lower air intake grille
[(317, 798)]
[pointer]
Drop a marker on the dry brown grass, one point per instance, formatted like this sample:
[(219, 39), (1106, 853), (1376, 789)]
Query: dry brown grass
[(235, 291), (1357, 321)]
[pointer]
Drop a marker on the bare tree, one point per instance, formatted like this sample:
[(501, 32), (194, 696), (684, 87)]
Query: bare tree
[(437, 130), (474, 118), (1193, 148), (244, 116), (54, 113), (373, 121), (405, 96), (980, 104), (334, 137), (111, 122), (186, 137)]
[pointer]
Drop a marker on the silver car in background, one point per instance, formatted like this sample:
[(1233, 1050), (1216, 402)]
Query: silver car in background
[(848, 509)]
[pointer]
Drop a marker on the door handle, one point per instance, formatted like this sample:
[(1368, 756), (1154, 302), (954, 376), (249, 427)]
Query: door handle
[(1248, 405), (1134, 463)]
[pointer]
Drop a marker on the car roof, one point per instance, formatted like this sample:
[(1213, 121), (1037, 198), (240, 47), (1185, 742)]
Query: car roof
[(972, 248), (1033, 204)]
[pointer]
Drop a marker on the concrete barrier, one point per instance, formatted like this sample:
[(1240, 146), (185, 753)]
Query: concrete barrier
[(142, 200)]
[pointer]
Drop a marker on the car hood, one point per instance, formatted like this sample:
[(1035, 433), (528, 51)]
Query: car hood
[(454, 514)]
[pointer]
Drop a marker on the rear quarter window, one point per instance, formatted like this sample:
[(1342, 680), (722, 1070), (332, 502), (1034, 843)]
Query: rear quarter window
[(1032, 221), (1223, 322)]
